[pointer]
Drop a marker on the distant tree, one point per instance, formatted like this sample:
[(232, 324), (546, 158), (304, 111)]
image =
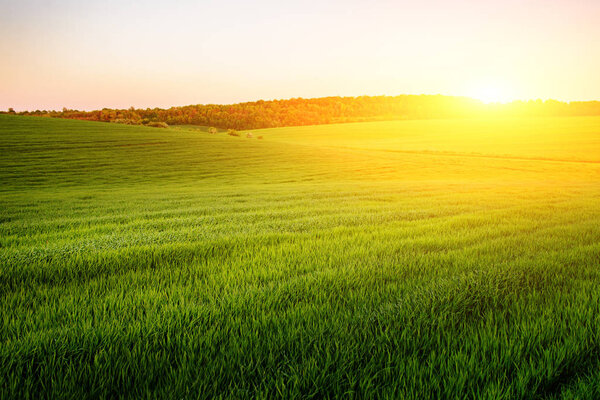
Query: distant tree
[(11, 110)]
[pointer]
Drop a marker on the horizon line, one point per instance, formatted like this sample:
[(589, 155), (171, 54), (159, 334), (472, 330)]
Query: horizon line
[(524, 100)]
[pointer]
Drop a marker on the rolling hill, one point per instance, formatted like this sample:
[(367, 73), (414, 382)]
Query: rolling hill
[(409, 259)]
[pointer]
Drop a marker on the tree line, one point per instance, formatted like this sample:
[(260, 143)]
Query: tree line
[(324, 110)]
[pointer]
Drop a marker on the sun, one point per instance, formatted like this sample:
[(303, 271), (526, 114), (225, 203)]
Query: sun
[(491, 92)]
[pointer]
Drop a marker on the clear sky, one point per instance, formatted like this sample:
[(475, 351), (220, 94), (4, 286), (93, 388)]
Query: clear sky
[(93, 54)]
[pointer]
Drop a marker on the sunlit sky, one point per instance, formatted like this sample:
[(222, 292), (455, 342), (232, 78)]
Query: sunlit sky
[(93, 54)]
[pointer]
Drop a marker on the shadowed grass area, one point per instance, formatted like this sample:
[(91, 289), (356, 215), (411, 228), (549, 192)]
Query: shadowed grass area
[(173, 263)]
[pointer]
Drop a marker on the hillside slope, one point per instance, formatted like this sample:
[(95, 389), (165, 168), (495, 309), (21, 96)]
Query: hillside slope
[(402, 259)]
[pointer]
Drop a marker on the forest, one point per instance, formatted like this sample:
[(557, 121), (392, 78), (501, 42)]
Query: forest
[(324, 110)]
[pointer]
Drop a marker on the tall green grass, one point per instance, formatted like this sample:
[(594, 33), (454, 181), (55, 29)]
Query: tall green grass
[(146, 263)]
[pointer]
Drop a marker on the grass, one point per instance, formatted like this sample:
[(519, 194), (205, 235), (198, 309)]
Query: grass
[(414, 259)]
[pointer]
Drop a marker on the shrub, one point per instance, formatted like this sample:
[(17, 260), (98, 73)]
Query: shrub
[(125, 121), (156, 124), (233, 132), (212, 130), (249, 135)]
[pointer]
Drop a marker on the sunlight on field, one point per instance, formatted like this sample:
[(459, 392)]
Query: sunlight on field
[(434, 257), (560, 139)]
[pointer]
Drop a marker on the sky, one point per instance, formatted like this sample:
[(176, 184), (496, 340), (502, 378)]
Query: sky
[(92, 54)]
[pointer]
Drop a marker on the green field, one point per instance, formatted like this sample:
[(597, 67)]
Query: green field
[(407, 259)]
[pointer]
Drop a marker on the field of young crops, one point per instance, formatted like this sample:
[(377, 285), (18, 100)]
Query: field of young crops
[(407, 259)]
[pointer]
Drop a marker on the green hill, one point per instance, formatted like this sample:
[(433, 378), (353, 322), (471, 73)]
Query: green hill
[(408, 259)]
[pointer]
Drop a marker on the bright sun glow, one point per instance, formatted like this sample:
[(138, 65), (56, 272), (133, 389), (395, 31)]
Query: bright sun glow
[(491, 92)]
